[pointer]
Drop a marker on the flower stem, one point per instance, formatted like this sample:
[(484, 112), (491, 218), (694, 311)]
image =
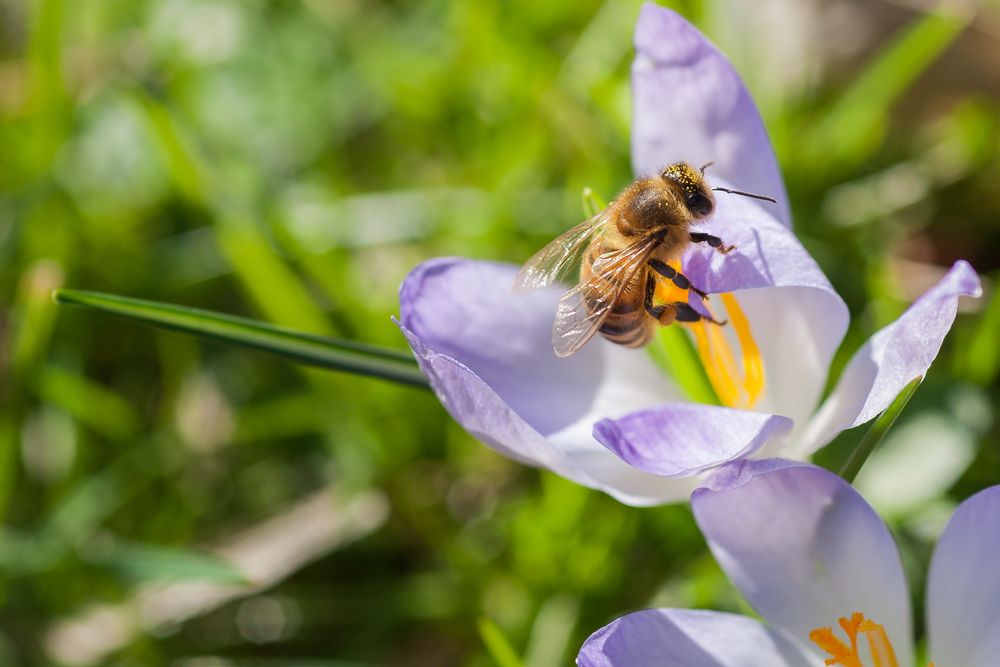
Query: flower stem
[(304, 348), (852, 466)]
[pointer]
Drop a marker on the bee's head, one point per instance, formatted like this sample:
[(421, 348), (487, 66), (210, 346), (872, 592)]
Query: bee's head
[(697, 195), (690, 183)]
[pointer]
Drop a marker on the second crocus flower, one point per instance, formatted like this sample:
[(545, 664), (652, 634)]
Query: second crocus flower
[(823, 571)]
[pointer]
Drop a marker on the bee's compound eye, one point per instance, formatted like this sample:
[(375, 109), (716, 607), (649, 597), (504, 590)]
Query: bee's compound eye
[(699, 204)]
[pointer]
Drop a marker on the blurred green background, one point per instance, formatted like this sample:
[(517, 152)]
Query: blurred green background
[(171, 502)]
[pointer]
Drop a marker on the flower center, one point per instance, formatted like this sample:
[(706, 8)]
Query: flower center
[(846, 655), (736, 385)]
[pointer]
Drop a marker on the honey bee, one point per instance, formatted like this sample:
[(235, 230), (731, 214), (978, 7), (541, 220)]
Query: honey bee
[(622, 251)]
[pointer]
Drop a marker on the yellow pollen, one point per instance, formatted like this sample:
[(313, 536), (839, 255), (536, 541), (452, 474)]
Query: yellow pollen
[(879, 646), (735, 386)]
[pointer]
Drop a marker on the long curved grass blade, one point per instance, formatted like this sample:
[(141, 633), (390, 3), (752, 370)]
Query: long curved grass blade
[(347, 356), (878, 431)]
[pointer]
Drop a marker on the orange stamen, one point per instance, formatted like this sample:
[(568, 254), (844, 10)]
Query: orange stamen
[(840, 653), (879, 646)]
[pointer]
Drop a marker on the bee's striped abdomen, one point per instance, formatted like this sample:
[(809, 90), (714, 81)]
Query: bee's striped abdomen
[(629, 324)]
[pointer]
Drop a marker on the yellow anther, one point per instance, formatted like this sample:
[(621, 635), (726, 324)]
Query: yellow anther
[(879, 646), (713, 358), (736, 385), (753, 363)]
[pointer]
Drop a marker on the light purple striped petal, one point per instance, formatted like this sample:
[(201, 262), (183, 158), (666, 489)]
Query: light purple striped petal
[(891, 359), (797, 318), (484, 414), (488, 355), (963, 587), (804, 548), (682, 439), (689, 104), (688, 638)]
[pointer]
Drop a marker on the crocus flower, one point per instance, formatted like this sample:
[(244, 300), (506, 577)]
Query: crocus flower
[(606, 416), (822, 570)]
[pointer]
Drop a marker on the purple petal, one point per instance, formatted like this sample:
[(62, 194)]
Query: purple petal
[(484, 414), (681, 439), (891, 359), (963, 587), (690, 104), (488, 355), (659, 637), (796, 317), (804, 548), (627, 484), (465, 310)]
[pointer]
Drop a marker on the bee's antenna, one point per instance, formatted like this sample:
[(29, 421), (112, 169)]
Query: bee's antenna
[(706, 166), (747, 194)]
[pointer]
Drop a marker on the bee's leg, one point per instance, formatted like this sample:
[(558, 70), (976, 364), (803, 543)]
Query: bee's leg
[(664, 314), (714, 241), (676, 276), (654, 311), (685, 313)]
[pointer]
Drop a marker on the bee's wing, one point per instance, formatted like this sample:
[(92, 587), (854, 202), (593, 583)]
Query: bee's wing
[(557, 261), (583, 309)]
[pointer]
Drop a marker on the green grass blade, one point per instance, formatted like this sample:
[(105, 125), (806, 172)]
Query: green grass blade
[(301, 347), (497, 644), (852, 128), (878, 431), (90, 403)]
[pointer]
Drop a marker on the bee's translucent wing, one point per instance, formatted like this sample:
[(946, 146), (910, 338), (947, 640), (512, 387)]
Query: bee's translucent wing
[(559, 259), (583, 309)]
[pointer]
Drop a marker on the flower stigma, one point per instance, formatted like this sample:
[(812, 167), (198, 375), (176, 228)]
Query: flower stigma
[(879, 646), (735, 386)]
